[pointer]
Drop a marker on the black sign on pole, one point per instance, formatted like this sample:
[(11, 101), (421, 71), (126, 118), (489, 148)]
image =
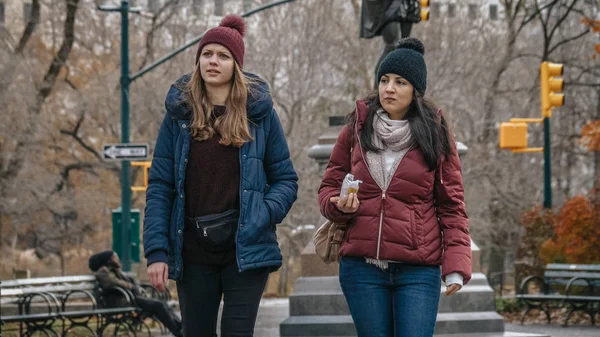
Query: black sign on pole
[(125, 151)]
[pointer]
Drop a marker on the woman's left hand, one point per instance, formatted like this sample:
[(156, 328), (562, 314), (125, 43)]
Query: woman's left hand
[(452, 289)]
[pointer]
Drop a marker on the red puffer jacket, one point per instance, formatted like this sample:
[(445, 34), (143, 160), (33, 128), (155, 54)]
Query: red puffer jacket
[(419, 219)]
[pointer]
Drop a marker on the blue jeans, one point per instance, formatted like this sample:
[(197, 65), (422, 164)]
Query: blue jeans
[(401, 301)]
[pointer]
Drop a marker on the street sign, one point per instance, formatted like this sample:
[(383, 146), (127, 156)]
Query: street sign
[(125, 151)]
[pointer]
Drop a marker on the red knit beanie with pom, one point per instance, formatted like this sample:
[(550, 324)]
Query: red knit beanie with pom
[(229, 34)]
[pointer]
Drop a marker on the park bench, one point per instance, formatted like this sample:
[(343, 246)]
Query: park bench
[(575, 286), (72, 302)]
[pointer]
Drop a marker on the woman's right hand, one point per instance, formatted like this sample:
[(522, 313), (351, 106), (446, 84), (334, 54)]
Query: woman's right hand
[(347, 204), (158, 273)]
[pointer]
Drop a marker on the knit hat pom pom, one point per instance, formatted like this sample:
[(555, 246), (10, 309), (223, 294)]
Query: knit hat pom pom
[(234, 22), (412, 43)]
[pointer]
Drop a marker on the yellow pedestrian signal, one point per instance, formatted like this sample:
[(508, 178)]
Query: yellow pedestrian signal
[(513, 135), (424, 10), (550, 87), (146, 165)]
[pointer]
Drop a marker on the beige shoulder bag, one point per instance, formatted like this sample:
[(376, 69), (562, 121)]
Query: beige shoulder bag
[(329, 237)]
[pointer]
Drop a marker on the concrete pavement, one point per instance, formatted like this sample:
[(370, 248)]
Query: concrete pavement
[(273, 311)]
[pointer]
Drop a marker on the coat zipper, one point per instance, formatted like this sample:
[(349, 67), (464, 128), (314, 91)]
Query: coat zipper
[(237, 232), (382, 190), (208, 227), (380, 224), (185, 155)]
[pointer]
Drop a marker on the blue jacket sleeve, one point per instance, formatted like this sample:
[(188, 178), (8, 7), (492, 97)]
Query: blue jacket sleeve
[(160, 195), (281, 176)]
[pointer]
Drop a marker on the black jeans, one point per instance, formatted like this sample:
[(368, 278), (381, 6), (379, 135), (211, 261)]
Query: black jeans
[(200, 291), (162, 312)]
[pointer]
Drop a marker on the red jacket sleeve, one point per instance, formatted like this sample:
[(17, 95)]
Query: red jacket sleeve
[(339, 165), (451, 211)]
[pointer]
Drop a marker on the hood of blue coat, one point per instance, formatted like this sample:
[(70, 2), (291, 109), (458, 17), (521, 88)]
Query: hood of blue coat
[(258, 105)]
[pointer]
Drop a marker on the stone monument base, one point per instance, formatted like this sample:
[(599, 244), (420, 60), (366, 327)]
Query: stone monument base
[(318, 306)]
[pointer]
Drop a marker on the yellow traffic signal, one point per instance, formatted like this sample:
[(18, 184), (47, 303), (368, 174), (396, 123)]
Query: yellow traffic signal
[(513, 135), (424, 10), (550, 87)]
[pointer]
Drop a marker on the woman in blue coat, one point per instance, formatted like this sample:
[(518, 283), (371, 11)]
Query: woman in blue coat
[(221, 179)]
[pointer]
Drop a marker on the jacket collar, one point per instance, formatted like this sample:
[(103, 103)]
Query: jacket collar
[(361, 111), (258, 106)]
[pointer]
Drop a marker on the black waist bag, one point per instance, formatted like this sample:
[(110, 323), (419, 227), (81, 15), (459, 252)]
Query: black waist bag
[(216, 232)]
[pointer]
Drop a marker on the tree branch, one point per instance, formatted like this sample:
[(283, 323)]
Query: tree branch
[(75, 135), (155, 27), (31, 26), (561, 19), (589, 85), (60, 58), (86, 167), (576, 37)]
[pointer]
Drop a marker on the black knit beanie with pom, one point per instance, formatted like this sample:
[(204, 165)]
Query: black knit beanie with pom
[(408, 61)]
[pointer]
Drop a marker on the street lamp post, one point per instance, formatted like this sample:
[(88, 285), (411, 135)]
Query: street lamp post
[(124, 9)]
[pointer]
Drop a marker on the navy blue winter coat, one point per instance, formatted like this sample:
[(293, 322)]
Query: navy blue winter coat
[(268, 184)]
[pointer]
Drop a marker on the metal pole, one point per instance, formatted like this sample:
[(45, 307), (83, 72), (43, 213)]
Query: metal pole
[(547, 165), (125, 188)]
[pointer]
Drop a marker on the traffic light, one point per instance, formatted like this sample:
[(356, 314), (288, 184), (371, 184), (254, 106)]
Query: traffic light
[(550, 87), (424, 10), (146, 166), (513, 135)]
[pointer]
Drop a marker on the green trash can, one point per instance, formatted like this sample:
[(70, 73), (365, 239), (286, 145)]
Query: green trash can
[(134, 234)]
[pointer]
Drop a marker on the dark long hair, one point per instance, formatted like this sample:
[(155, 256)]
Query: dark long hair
[(430, 131)]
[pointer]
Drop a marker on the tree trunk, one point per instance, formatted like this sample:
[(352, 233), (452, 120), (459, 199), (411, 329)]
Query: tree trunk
[(60, 59), (597, 153), (11, 169), (17, 56)]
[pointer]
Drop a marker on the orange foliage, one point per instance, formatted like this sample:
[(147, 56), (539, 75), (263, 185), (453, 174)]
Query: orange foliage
[(537, 229), (593, 24), (537, 223), (577, 233), (590, 136)]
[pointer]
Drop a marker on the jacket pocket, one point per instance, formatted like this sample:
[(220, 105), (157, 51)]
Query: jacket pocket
[(413, 229), (267, 216)]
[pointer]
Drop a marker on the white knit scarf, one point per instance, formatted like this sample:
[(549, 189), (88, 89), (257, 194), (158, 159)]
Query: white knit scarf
[(388, 134)]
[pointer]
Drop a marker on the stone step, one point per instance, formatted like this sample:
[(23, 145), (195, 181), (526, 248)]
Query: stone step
[(323, 326), (328, 283), (488, 324), (475, 296), (471, 322), (502, 334), (334, 303)]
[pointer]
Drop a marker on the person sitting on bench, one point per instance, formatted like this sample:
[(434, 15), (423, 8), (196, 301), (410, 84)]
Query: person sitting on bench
[(107, 270)]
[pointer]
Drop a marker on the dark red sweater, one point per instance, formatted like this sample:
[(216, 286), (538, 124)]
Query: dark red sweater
[(212, 185)]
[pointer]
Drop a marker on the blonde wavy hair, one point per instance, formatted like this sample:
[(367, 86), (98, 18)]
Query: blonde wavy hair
[(233, 125)]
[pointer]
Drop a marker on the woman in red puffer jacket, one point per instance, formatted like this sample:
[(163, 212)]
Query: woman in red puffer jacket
[(408, 217)]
